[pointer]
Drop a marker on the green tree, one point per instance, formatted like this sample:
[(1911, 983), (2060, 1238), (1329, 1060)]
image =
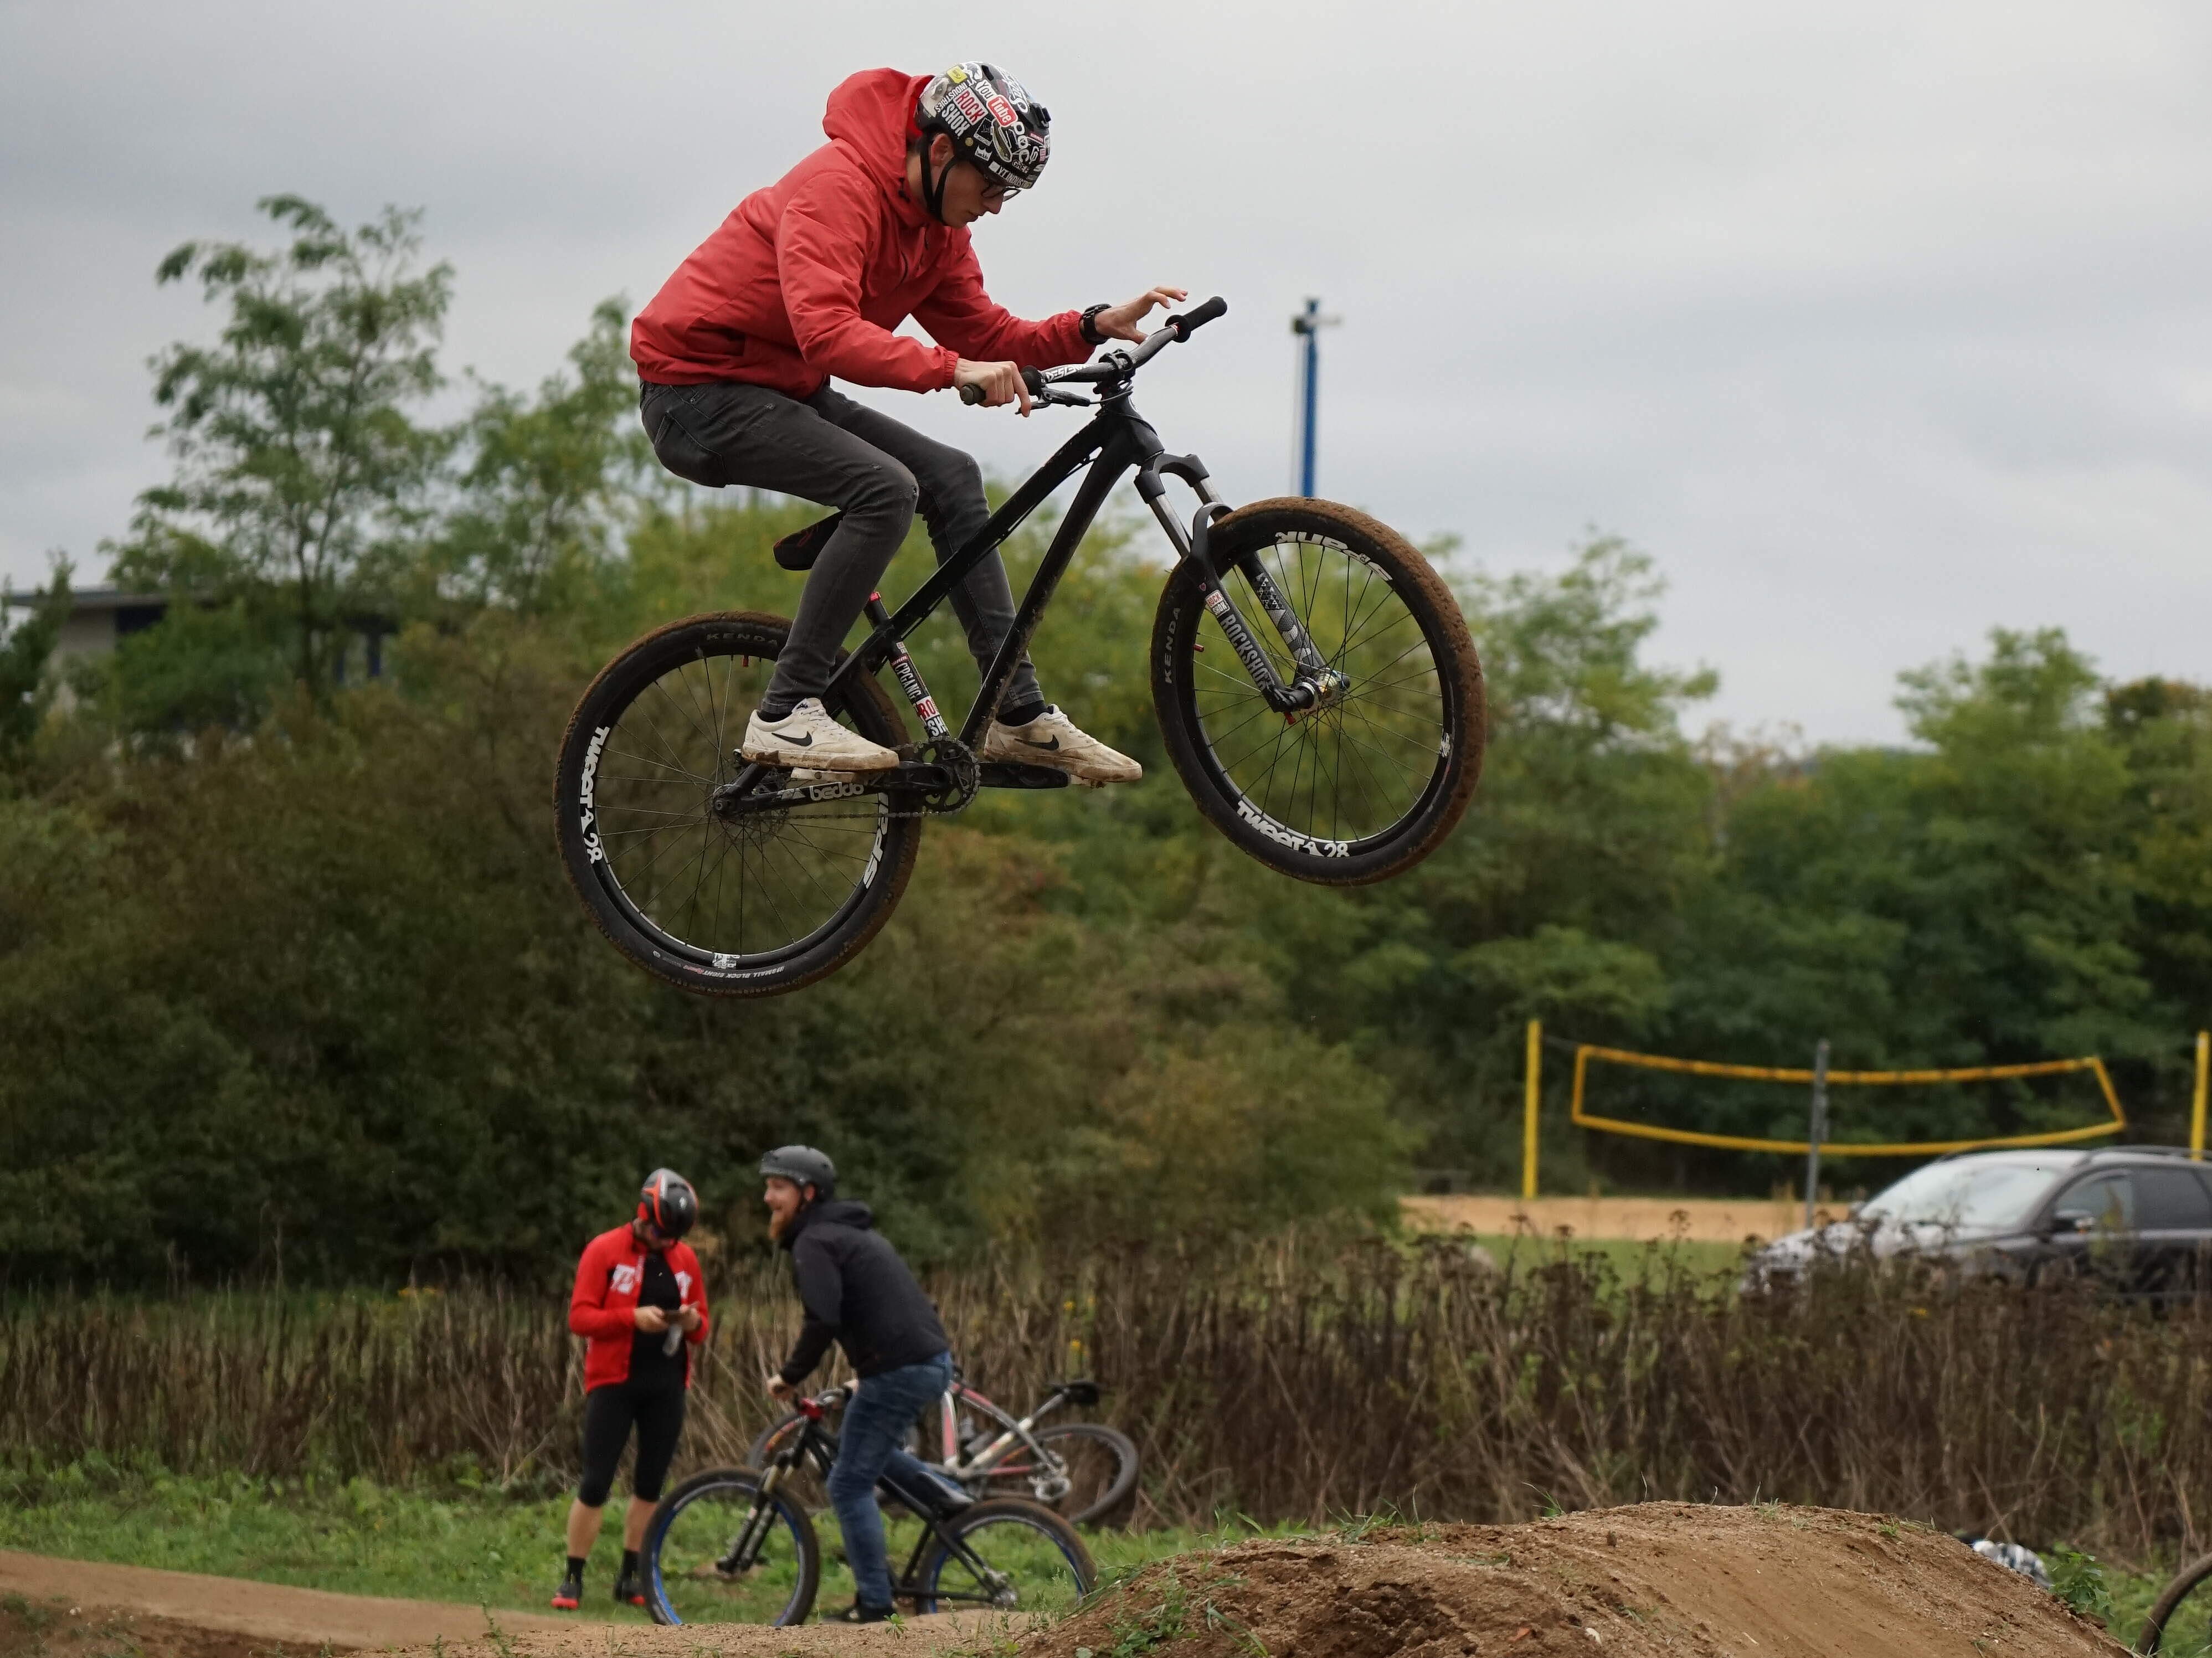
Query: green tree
[(299, 472), (25, 688), (549, 485)]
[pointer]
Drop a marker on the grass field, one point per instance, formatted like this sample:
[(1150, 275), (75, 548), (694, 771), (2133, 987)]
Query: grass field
[(361, 1539), (1629, 1260)]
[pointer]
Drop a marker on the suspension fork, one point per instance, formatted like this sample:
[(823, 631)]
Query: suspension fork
[(1315, 684)]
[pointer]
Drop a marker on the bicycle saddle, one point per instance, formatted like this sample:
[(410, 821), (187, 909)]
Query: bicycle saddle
[(798, 549), (1082, 1390)]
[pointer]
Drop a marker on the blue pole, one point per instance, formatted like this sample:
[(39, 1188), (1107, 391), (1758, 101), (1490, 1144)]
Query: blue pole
[(1311, 330)]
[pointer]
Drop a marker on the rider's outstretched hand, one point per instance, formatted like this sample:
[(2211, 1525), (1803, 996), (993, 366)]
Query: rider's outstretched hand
[(1119, 322), (1001, 382)]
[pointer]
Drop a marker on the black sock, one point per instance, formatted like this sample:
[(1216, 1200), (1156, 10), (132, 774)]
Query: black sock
[(771, 714), (576, 1567), (1022, 715), (629, 1562)]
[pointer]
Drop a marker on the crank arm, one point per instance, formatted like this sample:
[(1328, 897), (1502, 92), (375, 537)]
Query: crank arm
[(911, 777)]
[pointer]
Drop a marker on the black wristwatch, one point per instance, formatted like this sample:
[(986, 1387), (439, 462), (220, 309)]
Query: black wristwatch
[(1091, 334)]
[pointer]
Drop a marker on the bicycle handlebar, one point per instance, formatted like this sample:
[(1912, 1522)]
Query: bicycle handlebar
[(1180, 326), (1211, 311)]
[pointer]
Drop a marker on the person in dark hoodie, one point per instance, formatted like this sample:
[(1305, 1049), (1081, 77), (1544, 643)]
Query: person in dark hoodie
[(807, 280), (857, 1291)]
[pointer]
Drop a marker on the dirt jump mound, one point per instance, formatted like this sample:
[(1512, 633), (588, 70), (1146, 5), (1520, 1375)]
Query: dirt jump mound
[(1659, 1578)]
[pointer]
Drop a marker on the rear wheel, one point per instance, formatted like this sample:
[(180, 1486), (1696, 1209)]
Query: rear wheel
[(693, 1571), (748, 905), (1012, 1557), (1088, 1473), (1369, 783)]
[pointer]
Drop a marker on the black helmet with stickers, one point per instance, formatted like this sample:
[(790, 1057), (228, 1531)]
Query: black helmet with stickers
[(993, 123)]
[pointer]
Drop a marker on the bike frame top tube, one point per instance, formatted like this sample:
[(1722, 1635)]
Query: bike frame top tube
[(1112, 441)]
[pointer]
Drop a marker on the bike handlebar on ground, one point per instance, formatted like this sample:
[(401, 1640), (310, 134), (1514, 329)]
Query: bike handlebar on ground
[(1181, 327)]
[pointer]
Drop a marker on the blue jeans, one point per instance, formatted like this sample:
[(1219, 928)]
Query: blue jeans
[(870, 1444)]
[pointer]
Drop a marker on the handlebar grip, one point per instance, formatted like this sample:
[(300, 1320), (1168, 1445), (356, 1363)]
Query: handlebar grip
[(1197, 317), (972, 394)]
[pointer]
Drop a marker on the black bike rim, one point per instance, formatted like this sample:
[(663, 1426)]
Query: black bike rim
[(731, 1495), (972, 1593), (1243, 744), (683, 748)]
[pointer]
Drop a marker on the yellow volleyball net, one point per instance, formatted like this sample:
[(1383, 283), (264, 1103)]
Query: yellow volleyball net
[(1590, 1054)]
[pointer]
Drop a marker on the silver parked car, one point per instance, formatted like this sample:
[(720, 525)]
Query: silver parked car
[(2136, 1219)]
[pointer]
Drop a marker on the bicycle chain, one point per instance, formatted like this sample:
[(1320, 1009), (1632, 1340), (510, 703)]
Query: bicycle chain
[(955, 757)]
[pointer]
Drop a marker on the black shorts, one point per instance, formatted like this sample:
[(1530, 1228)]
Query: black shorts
[(609, 1413)]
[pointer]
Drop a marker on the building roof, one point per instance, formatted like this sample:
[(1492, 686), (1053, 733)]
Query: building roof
[(84, 598)]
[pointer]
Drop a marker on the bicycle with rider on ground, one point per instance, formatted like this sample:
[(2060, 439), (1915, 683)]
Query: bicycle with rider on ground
[(641, 1303), (857, 1293)]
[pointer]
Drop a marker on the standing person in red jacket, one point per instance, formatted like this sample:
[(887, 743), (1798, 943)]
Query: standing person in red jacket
[(639, 1302), (807, 279)]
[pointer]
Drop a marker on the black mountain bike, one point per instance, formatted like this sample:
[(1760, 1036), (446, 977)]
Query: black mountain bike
[(1312, 674), (737, 1545)]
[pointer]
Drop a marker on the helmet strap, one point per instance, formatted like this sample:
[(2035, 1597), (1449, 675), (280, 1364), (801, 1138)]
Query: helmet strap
[(932, 184)]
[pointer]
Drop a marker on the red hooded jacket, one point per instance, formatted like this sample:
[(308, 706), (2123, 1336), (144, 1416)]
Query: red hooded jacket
[(603, 1307), (808, 277)]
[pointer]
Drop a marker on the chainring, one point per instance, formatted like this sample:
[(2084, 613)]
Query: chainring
[(959, 760)]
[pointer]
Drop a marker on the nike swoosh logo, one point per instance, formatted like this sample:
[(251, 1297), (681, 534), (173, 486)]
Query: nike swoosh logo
[(1031, 742), (805, 742)]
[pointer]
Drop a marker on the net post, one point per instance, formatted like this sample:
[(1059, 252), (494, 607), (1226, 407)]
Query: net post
[(1533, 1092), (1816, 1130), (2197, 1100)]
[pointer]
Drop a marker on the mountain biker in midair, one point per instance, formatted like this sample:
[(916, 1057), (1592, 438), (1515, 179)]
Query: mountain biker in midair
[(807, 280), (641, 1303), (857, 1293)]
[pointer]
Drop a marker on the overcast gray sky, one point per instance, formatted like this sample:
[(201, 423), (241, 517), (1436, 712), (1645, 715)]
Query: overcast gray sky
[(1879, 326)]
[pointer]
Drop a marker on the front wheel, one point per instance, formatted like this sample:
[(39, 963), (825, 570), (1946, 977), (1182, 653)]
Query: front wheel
[(1004, 1555), (1369, 783), (721, 1549)]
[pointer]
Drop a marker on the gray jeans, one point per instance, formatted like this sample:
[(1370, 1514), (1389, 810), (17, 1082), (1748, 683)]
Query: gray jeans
[(832, 450)]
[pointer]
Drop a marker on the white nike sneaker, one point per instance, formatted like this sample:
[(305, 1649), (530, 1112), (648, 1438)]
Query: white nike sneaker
[(1054, 740), (808, 736)]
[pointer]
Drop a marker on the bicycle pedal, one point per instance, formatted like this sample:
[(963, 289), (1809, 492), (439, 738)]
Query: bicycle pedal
[(1012, 774)]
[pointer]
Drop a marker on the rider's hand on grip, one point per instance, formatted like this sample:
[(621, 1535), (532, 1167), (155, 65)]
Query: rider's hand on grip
[(993, 383)]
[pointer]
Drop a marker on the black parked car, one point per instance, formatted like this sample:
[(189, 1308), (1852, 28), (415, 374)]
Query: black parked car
[(2136, 1219)]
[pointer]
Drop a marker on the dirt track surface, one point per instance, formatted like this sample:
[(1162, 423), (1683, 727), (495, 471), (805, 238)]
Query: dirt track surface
[(61, 1629), (1659, 1578), (266, 1613)]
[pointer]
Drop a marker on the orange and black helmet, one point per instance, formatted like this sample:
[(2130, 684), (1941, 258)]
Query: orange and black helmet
[(667, 1203)]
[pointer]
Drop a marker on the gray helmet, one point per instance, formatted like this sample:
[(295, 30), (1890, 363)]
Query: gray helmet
[(802, 1165)]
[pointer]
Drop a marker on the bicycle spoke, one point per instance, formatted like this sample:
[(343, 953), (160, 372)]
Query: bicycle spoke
[(750, 886), (1350, 769)]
